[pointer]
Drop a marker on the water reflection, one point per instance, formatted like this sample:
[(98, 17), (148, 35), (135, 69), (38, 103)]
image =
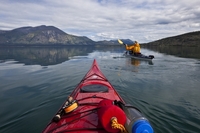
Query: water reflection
[(137, 62), (45, 56), (41, 55), (135, 65), (186, 52)]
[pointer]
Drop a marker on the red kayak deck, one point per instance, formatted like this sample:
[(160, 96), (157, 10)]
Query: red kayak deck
[(93, 88)]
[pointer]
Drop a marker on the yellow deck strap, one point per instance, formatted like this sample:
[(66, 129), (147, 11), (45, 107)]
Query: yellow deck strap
[(71, 107)]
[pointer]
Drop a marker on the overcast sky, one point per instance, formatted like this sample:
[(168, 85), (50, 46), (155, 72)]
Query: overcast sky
[(141, 20)]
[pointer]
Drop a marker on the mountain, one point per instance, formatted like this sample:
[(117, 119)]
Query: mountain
[(41, 35), (188, 39), (114, 42), (50, 35)]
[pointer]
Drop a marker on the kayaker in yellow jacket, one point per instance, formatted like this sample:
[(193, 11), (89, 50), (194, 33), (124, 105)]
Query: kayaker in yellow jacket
[(134, 49)]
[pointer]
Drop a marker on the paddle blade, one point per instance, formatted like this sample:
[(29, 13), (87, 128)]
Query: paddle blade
[(120, 42)]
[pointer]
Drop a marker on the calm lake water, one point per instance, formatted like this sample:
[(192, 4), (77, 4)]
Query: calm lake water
[(34, 83)]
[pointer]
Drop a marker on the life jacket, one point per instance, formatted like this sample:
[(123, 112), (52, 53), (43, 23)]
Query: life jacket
[(134, 48)]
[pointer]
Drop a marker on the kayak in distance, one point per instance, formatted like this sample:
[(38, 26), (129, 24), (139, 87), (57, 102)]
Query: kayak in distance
[(139, 56), (94, 106)]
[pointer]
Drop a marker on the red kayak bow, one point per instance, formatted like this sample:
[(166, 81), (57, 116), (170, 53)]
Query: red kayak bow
[(95, 106)]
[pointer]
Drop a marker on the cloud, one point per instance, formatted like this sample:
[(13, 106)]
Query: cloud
[(144, 20)]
